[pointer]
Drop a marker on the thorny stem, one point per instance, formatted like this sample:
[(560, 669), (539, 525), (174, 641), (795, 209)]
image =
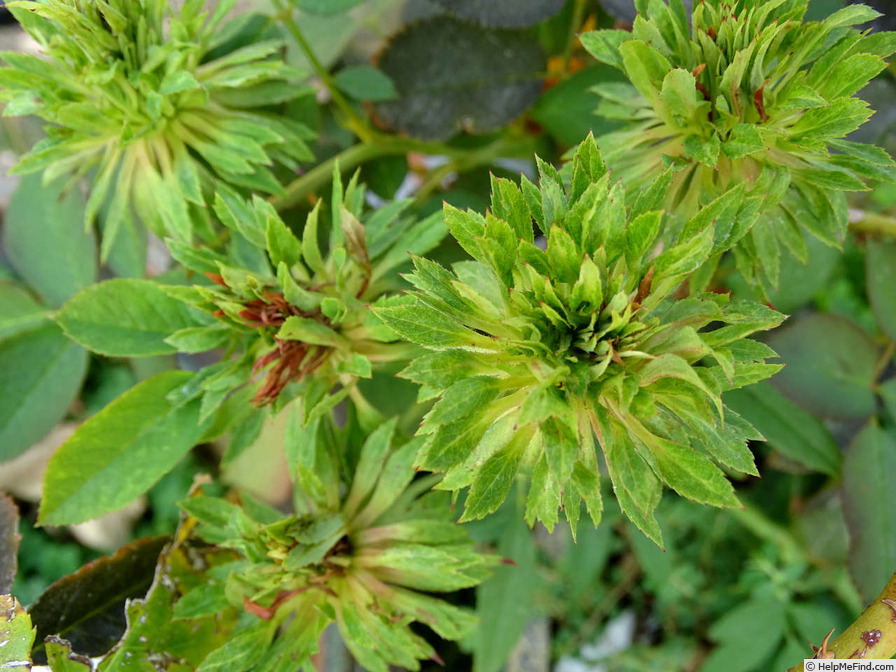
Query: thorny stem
[(354, 121), (872, 635), (872, 222)]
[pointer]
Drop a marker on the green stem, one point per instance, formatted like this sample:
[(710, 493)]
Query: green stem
[(872, 222), (578, 15), (353, 121), (472, 159), (323, 173), (872, 635), (884, 362), (388, 145)]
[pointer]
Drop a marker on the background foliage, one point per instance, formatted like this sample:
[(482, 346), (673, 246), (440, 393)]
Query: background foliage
[(427, 100)]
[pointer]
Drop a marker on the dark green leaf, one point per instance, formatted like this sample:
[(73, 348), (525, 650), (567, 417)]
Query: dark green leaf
[(503, 13), (116, 455), (87, 607), (565, 109), (504, 602), (868, 499), (789, 429), (747, 635), (452, 75), (43, 235), (830, 365), (880, 274), (126, 318), (40, 375)]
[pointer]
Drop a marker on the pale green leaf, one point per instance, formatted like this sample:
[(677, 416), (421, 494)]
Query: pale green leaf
[(40, 375), (117, 454), (126, 318), (44, 238)]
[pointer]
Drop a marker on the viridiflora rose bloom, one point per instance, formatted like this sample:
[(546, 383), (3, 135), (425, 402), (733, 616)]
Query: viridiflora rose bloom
[(364, 549), (293, 312), (160, 102), (537, 352), (748, 93)]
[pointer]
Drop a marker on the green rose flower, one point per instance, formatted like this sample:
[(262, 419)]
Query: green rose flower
[(535, 352), (364, 549), (748, 94), (159, 102)]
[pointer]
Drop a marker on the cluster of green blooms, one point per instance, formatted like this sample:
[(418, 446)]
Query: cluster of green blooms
[(750, 88), (364, 549), (288, 308), (161, 103), (567, 346), (537, 351)]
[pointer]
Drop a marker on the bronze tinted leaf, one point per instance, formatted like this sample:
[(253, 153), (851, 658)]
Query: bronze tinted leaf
[(87, 607)]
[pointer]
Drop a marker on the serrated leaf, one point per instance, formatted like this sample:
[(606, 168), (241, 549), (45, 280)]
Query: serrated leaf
[(40, 375), (425, 326), (199, 339), (474, 80), (691, 474), (743, 140), (117, 454), (796, 434), (126, 318), (283, 246), (493, 480)]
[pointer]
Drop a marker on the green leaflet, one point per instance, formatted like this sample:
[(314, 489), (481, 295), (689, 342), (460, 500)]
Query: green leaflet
[(41, 372), (117, 454), (126, 318), (38, 214)]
